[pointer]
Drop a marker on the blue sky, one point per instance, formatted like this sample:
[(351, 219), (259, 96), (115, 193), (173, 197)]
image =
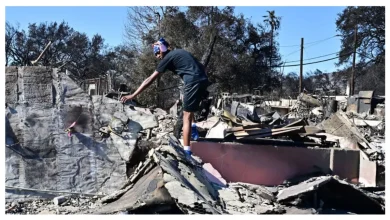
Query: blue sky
[(312, 23)]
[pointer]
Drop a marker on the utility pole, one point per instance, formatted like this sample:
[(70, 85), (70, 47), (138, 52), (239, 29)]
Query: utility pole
[(352, 89), (159, 78), (301, 68), (159, 24)]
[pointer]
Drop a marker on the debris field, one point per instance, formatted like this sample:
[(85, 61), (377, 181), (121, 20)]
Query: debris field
[(71, 153)]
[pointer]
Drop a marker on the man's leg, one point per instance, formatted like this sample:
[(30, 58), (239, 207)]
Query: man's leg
[(187, 122), (192, 97)]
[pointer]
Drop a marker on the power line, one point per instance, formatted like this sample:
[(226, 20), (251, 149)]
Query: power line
[(298, 45), (292, 53), (313, 57), (319, 41), (312, 45), (320, 61)]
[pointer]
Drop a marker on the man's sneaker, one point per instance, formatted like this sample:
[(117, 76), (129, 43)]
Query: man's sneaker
[(188, 152), (194, 132)]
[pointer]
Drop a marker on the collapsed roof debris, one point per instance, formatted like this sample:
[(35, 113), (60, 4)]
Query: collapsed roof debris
[(331, 193), (182, 180), (312, 155)]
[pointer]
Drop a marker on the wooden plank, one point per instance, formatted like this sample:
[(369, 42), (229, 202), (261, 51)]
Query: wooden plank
[(248, 124), (312, 129), (235, 129), (269, 134), (295, 123), (244, 127), (265, 130)]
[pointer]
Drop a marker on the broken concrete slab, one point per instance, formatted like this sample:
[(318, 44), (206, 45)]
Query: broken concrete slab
[(147, 191), (140, 118), (269, 209), (125, 144), (159, 111), (333, 193), (233, 204), (107, 109), (259, 190), (339, 124), (307, 186), (174, 110), (202, 190), (292, 210), (242, 198), (183, 181)]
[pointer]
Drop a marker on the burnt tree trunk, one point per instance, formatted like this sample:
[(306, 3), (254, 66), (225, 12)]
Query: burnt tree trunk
[(207, 55)]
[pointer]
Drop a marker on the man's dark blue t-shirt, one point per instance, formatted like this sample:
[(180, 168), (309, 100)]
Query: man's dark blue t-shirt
[(184, 64)]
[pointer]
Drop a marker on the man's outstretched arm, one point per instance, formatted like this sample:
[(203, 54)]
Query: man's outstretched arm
[(145, 84)]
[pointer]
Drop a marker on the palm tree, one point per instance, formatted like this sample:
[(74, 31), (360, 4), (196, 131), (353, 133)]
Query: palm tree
[(274, 22)]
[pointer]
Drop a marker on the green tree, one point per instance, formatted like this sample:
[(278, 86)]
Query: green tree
[(370, 21), (234, 51), (370, 46), (274, 22), (69, 49)]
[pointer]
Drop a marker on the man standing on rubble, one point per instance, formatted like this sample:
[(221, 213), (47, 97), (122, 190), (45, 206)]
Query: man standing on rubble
[(195, 80)]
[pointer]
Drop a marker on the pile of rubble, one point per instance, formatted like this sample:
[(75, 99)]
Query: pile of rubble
[(165, 126), (310, 122), (168, 178), (317, 156), (166, 181), (59, 205)]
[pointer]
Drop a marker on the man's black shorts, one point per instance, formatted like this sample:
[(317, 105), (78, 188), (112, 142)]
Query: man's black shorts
[(193, 94)]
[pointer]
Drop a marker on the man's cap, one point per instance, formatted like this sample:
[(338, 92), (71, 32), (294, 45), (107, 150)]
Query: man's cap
[(160, 46)]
